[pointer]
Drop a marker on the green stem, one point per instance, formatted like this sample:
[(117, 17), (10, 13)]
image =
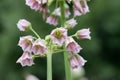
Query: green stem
[(34, 32), (67, 66), (62, 8), (66, 54), (49, 66)]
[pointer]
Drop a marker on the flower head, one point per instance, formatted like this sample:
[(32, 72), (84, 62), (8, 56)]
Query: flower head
[(70, 23), (83, 34), (23, 24), (26, 43), (76, 61), (72, 46), (39, 47), (59, 35), (26, 59)]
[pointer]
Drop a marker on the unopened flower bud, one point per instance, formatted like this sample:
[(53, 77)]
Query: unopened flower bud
[(23, 24), (83, 34), (70, 23)]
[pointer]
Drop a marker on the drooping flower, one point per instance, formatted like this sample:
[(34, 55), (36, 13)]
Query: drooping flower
[(34, 4), (23, 24), (84, 5), (71, 46), (26, 59), (59, 35), (67, 13), (26, 43), (76, 61), (70, 23), (80, 7), (52, 20), (57, 12), (76, 12), (39, 47), (83, 34)]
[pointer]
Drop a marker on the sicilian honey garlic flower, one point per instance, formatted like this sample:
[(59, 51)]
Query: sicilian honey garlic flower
[(83, 34), (71, 46), (76, 61), (39, 47), (26, 59), (59, 35), (23, 24), (26, 43)]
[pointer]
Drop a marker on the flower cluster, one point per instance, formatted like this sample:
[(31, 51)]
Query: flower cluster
[(58, 39)]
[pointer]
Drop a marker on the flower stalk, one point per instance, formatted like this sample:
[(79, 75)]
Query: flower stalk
[(49, 66), (34, 32), (66, 54), (62, 8)]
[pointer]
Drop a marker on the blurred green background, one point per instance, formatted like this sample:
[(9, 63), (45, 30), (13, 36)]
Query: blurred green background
[(102, 52)]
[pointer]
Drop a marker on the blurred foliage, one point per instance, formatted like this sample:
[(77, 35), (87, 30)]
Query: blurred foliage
[(102, 52)]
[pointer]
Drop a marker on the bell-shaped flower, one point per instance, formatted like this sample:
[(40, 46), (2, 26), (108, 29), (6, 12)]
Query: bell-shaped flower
[(76, 12), (23, 24), (34, 4), (84, 5), (76, 61), (83, 34), (39, 47), (59, 35), (26, 59), (26, 43), (57, 12), (52, 20), (71, 46), (80, 7), (70, 23)]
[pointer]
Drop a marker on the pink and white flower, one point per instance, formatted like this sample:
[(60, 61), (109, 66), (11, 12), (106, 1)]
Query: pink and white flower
[(26, 59), (76, 12), (23, 24), (76, 61), (80, 7), (34, 4), (52, 20), (71, 46), (59, 35), (39, 47), (57, 12), (84, 5), (26, 43), (70, 23), (84, 34)]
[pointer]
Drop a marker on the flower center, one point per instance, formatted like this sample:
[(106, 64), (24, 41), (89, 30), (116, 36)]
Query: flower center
[(58, 34)]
